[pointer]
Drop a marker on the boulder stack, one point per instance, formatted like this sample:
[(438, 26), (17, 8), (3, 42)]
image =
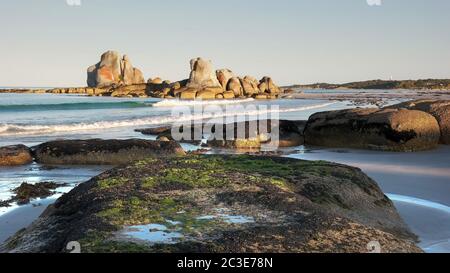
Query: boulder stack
[(204, 83), (113, 68)]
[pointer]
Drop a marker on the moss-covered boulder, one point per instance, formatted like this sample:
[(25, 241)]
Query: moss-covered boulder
[(221, 204)]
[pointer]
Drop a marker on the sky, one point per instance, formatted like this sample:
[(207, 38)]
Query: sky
[(50, 43)]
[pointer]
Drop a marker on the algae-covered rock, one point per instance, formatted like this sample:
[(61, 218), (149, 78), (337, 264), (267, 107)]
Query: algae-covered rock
[(216, 204), (102, 152)]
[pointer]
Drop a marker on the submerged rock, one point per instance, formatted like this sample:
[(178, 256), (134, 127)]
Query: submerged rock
[(387, 129), (26, 192), (217, 204), (102, 152), (15, 155), (440, 109)]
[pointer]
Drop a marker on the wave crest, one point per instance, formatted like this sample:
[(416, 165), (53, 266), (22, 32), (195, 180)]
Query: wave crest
[(176, 102), (17, 129)]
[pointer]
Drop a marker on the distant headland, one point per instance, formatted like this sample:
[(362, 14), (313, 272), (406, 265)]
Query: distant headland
[(425, 84)]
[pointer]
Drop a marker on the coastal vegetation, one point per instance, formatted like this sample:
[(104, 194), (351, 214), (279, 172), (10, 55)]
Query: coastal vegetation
[(423, 84)]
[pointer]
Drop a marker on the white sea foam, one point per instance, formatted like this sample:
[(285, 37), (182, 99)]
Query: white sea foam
[(15, 129), (176, 102), (419, 202)]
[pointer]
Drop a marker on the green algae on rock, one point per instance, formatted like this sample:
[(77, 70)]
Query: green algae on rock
[(209, 204)]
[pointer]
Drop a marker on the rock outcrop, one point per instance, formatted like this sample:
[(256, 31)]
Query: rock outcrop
[(206, 84), (224, 76), (221, 204), (15, 155), (387, 129), (440, 109), (202, 75), (102, 152), (113, 68)]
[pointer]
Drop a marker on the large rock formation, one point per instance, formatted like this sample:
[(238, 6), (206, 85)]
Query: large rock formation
[(204, 83), (440, 109), (15, 155), (221, 204), (202, 75), (387, 129), (250, 86), (102, 152), (113, 69), (224, 76)]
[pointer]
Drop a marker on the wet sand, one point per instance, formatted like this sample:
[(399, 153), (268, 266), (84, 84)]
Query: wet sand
[(418, 183), (22, 217)]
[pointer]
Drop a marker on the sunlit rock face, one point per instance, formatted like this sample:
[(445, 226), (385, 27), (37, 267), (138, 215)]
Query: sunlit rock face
[(204, 83), (113, 68), (440, 109), (398, 130)]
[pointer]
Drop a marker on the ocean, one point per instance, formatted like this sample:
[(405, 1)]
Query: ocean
[(417, 183)]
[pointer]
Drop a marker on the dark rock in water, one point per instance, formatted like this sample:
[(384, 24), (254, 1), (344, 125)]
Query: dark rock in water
[(26, 192), (15, 155), (154, 131), (4, 204), (102, 152), (386, 129), (217, 204), (440, 109)]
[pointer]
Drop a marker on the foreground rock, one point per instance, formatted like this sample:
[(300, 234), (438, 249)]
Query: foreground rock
[(113, 68), (440, 109), (15, 155), (102, 152), (216, 204), (387, 129)]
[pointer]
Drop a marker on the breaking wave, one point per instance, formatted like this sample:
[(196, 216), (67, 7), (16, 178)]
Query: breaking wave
[(18, 129), (171, 103), (73, 106)]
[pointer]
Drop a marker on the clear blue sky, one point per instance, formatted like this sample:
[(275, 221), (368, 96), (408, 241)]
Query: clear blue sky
[(49, 43)]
